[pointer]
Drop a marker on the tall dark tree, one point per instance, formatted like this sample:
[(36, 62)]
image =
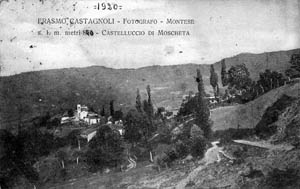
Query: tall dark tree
[(111, 107), (214, 81), (70, 113), (148, 126), (138, 102), (118, 115), (133, 126), (145, 106), (202, 110), (92, 109), (224, 74), (102, 113), (150, 105)]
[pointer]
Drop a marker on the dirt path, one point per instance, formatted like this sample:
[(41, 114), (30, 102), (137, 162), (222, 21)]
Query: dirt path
[(132, 164), (211, 156), (265, 144)]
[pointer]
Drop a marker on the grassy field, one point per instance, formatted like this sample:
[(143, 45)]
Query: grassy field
[(248, 115)]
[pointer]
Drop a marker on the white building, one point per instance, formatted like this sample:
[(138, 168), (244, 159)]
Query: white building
[(92, 118), (82, 111), (65, 119), (82, 114), (89, 134)]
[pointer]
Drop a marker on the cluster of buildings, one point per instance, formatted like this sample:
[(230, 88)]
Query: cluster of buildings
[(92, 120), (211, 99), (81, 114)]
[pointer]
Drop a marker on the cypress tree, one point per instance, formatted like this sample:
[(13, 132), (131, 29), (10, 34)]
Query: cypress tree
[(214, 81), (111, 106), (102, 113), (150, 105), (223, 73), (202, 110), (138, 103)]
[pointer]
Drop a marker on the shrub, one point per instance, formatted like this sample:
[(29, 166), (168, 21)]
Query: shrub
[(72, 138), (282, 178), (105, 149), (198, 147), (265, 128), (182, 148)]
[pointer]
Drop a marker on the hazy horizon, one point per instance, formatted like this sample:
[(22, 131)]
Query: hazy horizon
[(189, 63)]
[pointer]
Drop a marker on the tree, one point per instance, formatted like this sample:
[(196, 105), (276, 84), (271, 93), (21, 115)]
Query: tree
[(138, 103), (102, 113), (159, 112), (150, 105), (239, 83), (70, 113), (214, 81), (92, 109), (239, 77), (294, 70), (188, 107), (266, 80), (133, 126), (111, 107), (148, 120), (149, 111), (198, 142), (270, 80), (224, 75), (118, 115), (105, 149), (146, 107), (202, 110)]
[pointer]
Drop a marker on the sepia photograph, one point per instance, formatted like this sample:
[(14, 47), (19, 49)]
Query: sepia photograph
[(149, 94)]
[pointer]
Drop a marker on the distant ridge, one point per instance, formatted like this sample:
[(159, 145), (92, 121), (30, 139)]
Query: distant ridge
[(30, 94)]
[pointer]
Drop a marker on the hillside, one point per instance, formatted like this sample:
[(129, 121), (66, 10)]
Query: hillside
[(248, 115), (27, 95)]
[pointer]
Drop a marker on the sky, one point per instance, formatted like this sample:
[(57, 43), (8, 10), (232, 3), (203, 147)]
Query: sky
[(223, 28)]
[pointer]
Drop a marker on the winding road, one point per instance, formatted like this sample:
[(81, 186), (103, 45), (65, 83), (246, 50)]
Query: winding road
[(265, 144), (132, 164), (211, 156)]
